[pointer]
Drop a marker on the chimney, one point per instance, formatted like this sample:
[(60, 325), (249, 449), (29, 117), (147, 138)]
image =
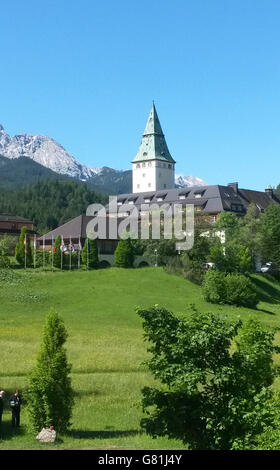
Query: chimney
[(269, 191), (234, 186)]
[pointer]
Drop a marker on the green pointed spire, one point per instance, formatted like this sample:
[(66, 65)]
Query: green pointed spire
[(153, 145)]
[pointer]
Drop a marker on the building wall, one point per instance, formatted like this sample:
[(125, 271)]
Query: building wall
[(14, 225), (152, 176)]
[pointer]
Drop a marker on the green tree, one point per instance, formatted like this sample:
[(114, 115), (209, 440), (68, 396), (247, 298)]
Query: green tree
[(231, 256), (90, 254), (50, 394), (23, 249), (270, 234), (211, 397), (57, 253), (124, 253)]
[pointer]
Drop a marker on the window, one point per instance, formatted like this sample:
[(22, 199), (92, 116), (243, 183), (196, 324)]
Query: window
[(182, 196), (149, 164), (197, 196), (143, 164), (138, 186), (169, 166), (138, 165), (147, 199), (149, 185), (144, 174)]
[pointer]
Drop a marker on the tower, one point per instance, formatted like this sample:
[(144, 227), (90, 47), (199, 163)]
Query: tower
[(153, 167)]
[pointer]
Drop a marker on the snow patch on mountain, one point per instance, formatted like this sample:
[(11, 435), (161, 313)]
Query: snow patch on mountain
[(49, 153), (185, 181), (43, 150)]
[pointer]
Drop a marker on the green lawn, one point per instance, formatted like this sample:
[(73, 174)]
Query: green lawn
[(105, 344)]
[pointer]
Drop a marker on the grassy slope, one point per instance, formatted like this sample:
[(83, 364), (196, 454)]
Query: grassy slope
[(105, 344)]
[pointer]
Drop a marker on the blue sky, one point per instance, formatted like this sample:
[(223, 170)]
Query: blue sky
[(85, 73)]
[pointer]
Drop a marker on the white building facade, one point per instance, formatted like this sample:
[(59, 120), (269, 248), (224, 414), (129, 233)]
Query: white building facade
[(153, 168)]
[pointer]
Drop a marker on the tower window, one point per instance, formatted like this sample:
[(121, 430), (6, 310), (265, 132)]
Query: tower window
[(169, 166)]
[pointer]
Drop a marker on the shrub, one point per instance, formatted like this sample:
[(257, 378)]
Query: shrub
[(187, 268), (240, 291), (233, 289), (124, 254), (214, 287), (205, 394)]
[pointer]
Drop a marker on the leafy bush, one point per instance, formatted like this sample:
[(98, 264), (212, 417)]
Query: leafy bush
[(187, 268), (205, 394), (214, 287), (233, 289), (240, 291)]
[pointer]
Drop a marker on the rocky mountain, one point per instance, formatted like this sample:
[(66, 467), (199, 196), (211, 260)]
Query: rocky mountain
[(184, 181), (47, 153)]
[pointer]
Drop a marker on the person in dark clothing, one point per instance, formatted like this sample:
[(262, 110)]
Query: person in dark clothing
[(2, 393), (15, 402)]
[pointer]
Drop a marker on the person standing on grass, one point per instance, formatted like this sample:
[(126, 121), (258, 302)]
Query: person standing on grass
[(15, 402), (2, 393)]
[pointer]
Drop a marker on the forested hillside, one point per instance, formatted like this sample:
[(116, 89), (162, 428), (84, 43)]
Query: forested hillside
[(49, 203)]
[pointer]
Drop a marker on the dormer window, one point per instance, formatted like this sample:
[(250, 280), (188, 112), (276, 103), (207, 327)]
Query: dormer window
[(161, 197), (199, 193), (184, 194)]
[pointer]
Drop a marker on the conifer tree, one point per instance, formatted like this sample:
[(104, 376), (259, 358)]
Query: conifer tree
[(23, 249), (50, 394), (124, 254), (90, 254), (57, 253)]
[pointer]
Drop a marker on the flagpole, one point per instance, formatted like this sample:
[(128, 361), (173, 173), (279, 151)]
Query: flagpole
[(34, 246), (44, 253), (61, 253), (70, 254), (79, 254), (52, 253), (25, 247), (87, 253)]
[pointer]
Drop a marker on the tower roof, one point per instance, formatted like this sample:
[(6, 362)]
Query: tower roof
[(153, 145)]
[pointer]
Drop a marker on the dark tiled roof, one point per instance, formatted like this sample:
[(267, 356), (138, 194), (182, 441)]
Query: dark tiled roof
[(261, 199), (214, 198), (77, 228), (13, 218)]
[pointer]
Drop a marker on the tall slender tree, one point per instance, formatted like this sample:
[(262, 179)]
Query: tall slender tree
[(23, 249), (50, 394)]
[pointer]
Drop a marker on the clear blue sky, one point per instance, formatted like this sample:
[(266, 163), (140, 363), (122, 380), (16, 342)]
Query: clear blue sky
[(85, 72)]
